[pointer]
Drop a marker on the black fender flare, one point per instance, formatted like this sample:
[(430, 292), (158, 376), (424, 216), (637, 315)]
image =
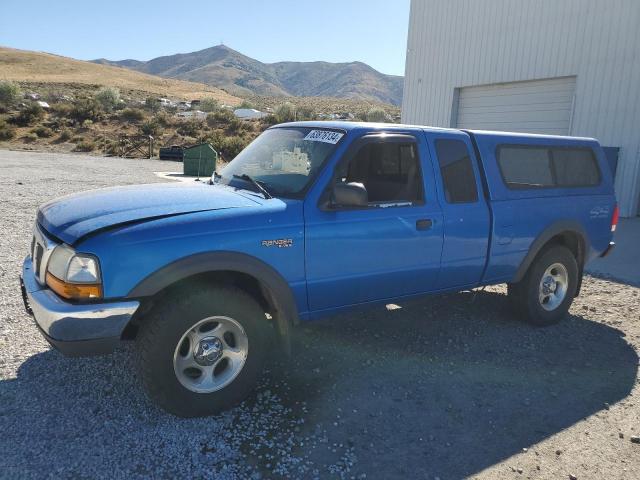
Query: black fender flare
[(556, 228), (273, 284)]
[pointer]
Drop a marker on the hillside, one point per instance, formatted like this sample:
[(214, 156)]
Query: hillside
[(43, 68), (226, 68)]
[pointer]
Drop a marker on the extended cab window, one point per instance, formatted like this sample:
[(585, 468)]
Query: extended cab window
[(532, 166), (457, 171), (389, 171), (575, 167)]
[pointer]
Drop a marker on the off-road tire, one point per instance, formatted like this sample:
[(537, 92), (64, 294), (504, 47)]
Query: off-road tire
[(524, 295), (165, 325)]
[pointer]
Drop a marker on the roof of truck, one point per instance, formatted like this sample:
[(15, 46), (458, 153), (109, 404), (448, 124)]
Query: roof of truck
[(494, 133), (347, 126)]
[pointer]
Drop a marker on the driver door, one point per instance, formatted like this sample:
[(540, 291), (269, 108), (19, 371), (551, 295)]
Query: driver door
[(387, 249)]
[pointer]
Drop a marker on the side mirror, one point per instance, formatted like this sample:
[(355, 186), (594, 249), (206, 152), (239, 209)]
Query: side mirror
[(349, 195)]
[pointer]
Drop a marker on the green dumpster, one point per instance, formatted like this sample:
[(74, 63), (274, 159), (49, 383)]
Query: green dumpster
[(200, 160)]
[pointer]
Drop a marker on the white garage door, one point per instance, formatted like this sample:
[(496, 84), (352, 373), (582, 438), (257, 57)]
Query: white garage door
[(540, 106)]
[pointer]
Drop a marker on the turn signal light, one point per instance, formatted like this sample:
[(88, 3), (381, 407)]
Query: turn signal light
[(74, 291)]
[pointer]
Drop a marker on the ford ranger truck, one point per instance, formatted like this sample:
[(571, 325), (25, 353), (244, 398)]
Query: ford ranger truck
[(312, 218)]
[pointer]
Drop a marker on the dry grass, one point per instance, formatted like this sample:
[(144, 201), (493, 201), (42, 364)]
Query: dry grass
[(325, 105), (35, 67)]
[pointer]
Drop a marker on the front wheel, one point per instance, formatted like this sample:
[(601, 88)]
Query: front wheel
[(203, 352), (544, 295)]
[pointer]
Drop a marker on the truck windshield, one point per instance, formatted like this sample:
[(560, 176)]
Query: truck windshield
[(283, 161)]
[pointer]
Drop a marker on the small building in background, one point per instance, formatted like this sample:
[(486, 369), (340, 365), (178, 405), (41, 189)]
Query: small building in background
[(165, 103), (199, 160), (193, 114), (249, 113)]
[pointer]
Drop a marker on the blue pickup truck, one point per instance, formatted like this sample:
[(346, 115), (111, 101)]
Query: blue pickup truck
[(310, 219)]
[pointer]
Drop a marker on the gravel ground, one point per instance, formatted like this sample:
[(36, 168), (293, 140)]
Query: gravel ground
[(447, 387)]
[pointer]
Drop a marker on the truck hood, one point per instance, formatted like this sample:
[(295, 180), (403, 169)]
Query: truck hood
[(72, 217)]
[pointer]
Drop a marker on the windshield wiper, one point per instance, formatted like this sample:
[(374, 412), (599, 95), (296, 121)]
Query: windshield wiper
[(255, 182)]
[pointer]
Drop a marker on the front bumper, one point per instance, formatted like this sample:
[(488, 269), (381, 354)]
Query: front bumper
[(74, 329)]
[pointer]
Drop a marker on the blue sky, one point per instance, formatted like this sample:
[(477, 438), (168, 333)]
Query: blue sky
[(371, 31)]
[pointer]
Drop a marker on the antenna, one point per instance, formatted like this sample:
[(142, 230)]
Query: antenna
[(199, 159)]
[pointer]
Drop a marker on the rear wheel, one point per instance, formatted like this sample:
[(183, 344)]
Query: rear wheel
[(203, 352), (544, 295)]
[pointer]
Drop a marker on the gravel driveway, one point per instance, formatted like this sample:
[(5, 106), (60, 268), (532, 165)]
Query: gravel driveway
[(447, 387)]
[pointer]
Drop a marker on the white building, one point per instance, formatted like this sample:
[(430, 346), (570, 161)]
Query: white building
[(249, 113), (198, 114), (568, 67)]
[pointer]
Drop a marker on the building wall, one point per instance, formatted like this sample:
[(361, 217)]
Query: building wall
[(459, 43)]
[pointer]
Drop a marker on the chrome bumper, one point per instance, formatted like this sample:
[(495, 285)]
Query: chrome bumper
[(74, 329)]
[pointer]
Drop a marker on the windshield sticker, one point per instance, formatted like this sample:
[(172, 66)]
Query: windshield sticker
[(325, 136)]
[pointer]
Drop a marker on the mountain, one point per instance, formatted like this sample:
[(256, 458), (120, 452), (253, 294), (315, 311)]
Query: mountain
[(37, 67), (223, 67)]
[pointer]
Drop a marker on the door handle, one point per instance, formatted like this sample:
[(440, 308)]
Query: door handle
[(424, 224)]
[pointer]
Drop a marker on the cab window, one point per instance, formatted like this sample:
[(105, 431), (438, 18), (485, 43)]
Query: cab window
[(389, 171)]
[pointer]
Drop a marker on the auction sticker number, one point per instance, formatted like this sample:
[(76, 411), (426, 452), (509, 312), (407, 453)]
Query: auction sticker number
[(325, 136)]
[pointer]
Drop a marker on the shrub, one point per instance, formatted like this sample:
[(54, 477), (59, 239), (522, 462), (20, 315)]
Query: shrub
[(286, 112), (87, 123), (29, 115), (56, 123), (86, 109), (220, 117), (6, 132), (152, 104), (9, 93), (108, 98), (360, 116), (42, 132), (227, 146), (216, 139), (233, 146), (235, 125), (132, 115), (376, 114), (65, 136), (150, 127), (246, 104), (30, 137), (62, 109), (191, 128), (269, 120), (85, 146), (305, 113), (209, 104), (163, 119), (110, 147)]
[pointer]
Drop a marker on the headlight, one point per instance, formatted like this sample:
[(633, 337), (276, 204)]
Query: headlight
[(74, 275)]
